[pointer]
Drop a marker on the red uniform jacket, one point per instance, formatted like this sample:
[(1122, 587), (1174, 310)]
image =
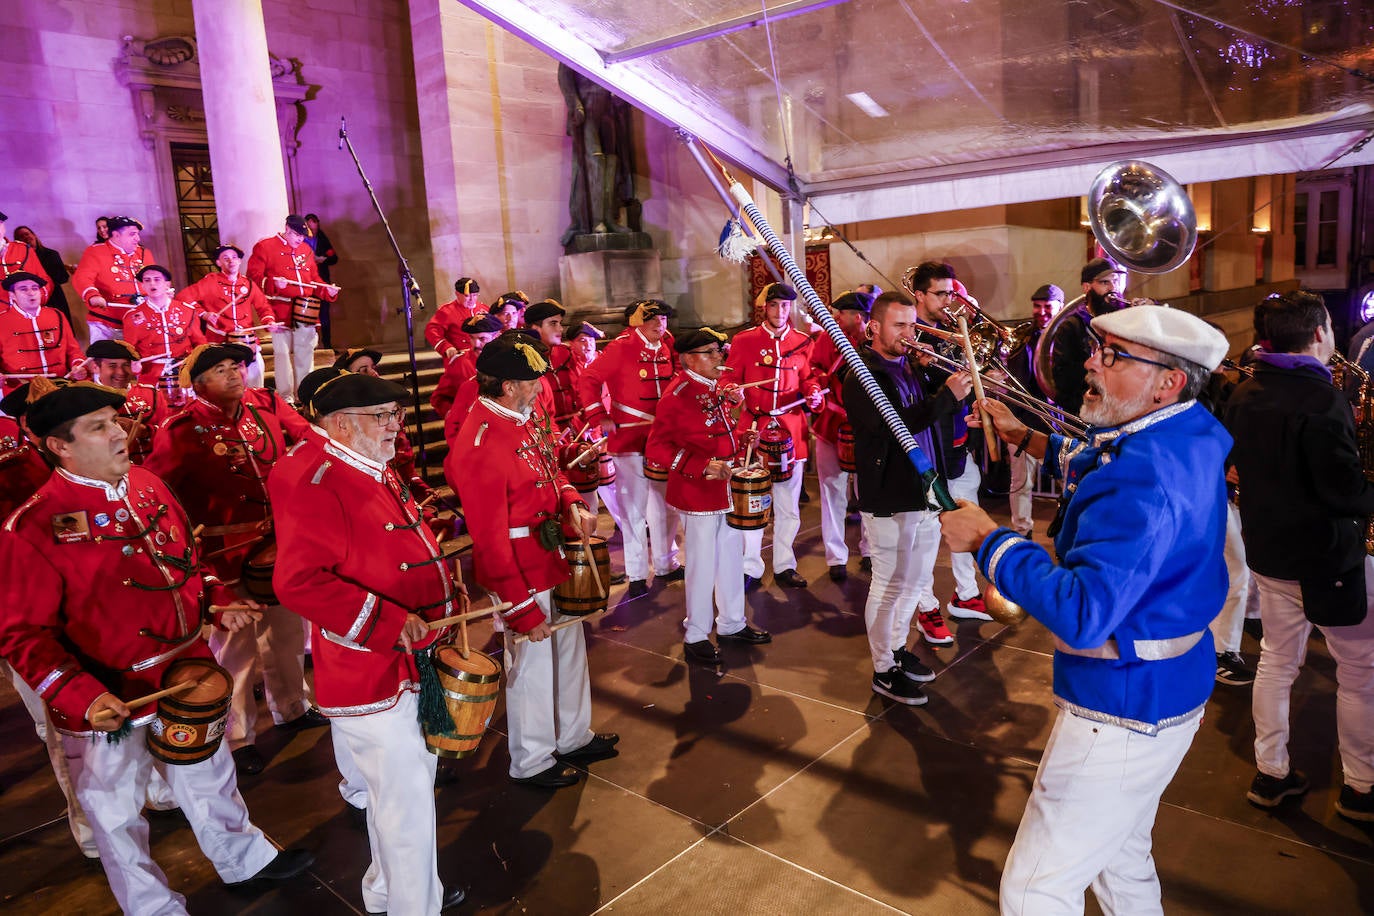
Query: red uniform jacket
[(561, 384), (226, 305), (635, 376), (505, 470), (467, 396), (218, 465), (272, 257), (22, 469), (445, 330), (353, 558), (109, 272), (456, 371), (757, 354), (85, 571), (16, 256), (149, 408), (43, 344), (825, 362), (693, 427), (153, 332)]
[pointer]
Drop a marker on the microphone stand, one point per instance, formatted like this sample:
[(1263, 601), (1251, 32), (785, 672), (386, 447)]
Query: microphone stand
[(411, 300)]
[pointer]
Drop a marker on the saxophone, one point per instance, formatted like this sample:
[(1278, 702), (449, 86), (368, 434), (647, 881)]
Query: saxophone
[(1346, 375)]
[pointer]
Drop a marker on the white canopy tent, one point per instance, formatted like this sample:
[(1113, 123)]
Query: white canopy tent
[(887, 108)]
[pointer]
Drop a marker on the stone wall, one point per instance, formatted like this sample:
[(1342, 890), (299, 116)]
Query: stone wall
[(80, 153)]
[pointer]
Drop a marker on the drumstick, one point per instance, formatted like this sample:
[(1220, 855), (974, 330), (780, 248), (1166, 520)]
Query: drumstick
[(104, 714), (583, 431), (195, 532), (799, 402), (521, 637), (470, 615), (989, 431), (749, 450), (577, 462), (591, 561), (762, 381), (632, 425)]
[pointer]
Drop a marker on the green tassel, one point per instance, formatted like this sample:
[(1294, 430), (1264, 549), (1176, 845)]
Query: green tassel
[(434, 715), (119, 734)]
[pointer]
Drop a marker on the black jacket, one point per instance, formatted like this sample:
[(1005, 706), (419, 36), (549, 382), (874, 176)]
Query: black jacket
[(888, 482), (1304, 498)]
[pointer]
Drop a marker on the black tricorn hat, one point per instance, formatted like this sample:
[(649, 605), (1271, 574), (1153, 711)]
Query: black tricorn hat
[(51, 404)]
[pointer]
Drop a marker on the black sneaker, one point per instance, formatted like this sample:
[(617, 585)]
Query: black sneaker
[(1232, 670), (1254, 626), (911, 666), (1355, 806), (1267, 791), (896, 686)]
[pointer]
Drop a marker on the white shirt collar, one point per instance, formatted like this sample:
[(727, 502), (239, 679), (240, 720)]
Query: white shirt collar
[(501, 411), (645, 341), (708, 382), (361, 462), (114, 493)]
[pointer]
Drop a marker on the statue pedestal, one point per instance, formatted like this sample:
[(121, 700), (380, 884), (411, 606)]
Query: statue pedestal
[(598, 285)]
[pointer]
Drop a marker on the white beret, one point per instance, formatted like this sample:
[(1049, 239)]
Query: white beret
[(1167, 330)]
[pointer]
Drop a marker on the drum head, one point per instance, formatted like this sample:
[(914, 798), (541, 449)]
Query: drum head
[(450, 660), (212, 682)]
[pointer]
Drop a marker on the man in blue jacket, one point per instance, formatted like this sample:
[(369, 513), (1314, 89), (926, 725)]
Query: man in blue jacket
[(1139, 577)]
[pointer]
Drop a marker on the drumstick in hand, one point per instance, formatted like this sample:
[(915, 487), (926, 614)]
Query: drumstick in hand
[(563, 625), (470, 615), (989, 431), (104, 714)]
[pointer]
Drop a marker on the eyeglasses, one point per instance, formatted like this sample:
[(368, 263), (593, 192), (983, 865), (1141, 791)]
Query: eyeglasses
[(713, 351), (941, 293), (383, 417), (1109, 354)]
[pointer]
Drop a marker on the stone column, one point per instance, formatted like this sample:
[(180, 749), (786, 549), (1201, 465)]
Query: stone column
[(241, 120)]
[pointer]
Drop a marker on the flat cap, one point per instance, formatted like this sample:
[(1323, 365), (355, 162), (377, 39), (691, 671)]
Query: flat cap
[(1098, 268), (296, 223), (583, 329), (778, 291), (698, 338), (853, 302), (466, 285), (1167, 330), (350, 390), (1048, 293), (51, 403)]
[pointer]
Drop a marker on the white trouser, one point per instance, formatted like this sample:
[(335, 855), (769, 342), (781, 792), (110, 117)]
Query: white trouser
[(716, 572), (389, 750), (1282, 652), (293, 356), (1089, 818), (111, 781), (1230, 622), (904, 548), (1025, 469), (965, 486), (278, 639), (353, 786), (647, 521), (99, 331), (834, 486), (548, 695), (786, 524), (608, 499)]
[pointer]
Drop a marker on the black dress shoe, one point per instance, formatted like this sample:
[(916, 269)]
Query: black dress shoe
[(557, 776), (311, 718), (788, 578), (248, 761), (357, 817), (638, 589), (704, 652), (618, 578), (288, 864), (447, 772), (601, 747), (453, 898), (676, 575), (803, 497), (838, 573), (750, 583), (751, 635), (866, 564)]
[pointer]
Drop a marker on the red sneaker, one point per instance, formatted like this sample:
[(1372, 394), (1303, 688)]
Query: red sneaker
[(968, 608), (933, 629)]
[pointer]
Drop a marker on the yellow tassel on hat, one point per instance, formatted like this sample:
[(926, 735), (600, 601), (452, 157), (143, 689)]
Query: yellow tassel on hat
[(41, 386), (532, 357), (720, 338), (184, 379), (638, 317)]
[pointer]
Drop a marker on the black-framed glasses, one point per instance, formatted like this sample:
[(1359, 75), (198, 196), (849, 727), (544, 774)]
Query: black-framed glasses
[(383, 417), (1108, 354), (941, 293)]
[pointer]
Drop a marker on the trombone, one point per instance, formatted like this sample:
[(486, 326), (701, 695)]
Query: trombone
[(1010, 392)]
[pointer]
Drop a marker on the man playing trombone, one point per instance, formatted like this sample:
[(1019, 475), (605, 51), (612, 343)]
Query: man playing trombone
[(1140, 576)]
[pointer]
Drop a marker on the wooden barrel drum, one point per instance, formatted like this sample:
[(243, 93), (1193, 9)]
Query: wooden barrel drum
[(751, 499), (654, 470), (255, 575), (775, 447), (470, 686), (844, 448), (579, 595), (190, 725), (305, 311)]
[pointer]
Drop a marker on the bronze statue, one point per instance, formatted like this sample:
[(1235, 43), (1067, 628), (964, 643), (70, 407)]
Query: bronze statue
[(603, 158)]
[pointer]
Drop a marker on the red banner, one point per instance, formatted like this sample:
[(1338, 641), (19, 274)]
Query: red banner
[(817, 274)]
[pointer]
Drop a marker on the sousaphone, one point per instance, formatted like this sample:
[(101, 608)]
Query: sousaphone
[(1144, 220)]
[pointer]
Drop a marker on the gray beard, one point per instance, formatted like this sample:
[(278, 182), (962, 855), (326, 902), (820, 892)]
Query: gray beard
[(1110, 411)]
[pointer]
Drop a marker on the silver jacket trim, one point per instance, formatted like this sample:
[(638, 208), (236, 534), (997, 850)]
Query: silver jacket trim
[(1144, 728)]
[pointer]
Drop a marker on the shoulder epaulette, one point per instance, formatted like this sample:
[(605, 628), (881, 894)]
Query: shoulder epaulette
[(12, 522)]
